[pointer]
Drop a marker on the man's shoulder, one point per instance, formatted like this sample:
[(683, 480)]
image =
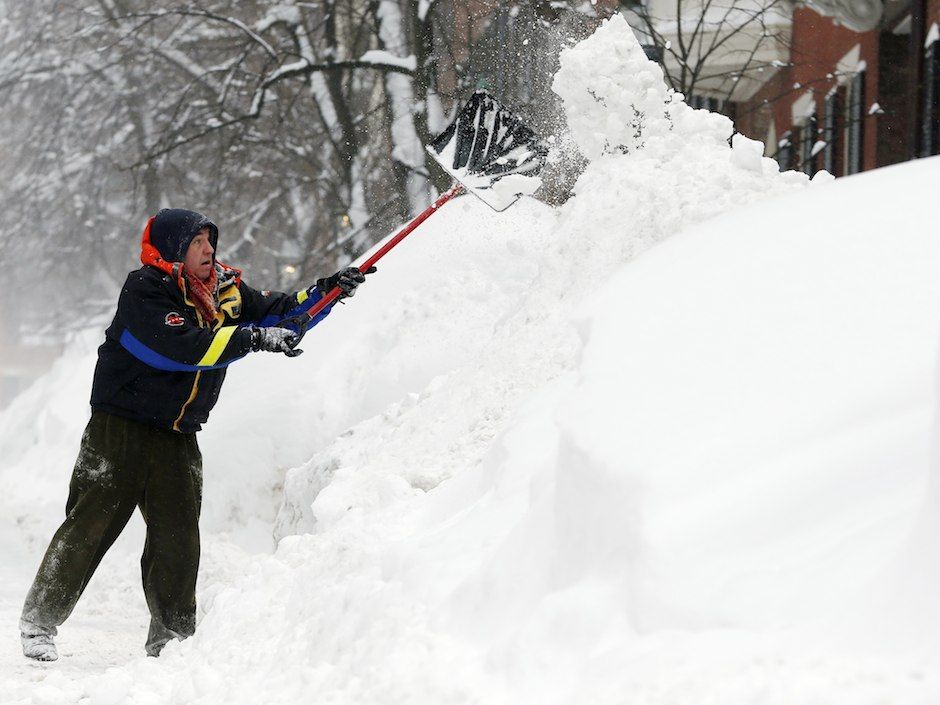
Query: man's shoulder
[(148, 284), (148, 277)]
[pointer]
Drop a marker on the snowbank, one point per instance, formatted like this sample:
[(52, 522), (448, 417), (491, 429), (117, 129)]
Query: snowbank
[(538, 460)]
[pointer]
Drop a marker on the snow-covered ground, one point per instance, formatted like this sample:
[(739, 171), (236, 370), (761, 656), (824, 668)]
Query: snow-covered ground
[(671, 443)]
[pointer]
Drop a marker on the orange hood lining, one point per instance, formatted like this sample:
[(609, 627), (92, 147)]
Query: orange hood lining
[(151, 256)]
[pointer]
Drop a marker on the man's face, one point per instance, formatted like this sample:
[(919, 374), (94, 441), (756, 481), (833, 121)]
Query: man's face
[(198, 259)]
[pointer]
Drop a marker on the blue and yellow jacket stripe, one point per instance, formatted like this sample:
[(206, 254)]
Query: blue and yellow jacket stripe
[(162, 364)]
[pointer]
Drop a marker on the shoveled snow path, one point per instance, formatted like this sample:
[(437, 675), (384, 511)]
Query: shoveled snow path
[(107, 629)]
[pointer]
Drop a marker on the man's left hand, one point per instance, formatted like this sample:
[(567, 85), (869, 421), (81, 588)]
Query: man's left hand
[(347, 280)]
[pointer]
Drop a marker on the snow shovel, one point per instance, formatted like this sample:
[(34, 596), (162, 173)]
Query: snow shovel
[(489, 152)]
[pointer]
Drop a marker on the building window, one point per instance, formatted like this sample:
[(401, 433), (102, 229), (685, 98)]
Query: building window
[(701, 102), (713, 105), (653, 52), (785, 151), (832, 132), (929, 138), (807, 141), (855, 124)]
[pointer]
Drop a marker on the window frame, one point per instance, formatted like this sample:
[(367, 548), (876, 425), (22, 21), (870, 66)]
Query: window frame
[(930, 102), (832, 131), (785, 151), (855, 124), (807, 138)]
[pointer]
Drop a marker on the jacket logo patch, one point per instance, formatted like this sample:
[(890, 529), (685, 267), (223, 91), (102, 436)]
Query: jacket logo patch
[(174, 319)]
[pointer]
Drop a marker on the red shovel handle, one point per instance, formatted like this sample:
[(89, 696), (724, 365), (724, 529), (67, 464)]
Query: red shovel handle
[(330, 296)]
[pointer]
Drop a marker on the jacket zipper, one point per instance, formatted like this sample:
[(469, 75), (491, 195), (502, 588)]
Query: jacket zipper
[(192, 395), (195, 389)]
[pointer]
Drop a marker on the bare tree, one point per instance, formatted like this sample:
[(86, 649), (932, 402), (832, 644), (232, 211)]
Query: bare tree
[(720, 49), (299, 126)]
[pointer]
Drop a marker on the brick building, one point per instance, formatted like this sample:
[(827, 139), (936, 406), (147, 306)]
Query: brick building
[(850, 99)]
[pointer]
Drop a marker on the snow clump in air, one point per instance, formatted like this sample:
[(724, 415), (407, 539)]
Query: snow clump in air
[(656, 165), (616, 99)]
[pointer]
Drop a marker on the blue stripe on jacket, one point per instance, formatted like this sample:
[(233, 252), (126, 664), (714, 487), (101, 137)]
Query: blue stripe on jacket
[(309, 303), (151, 357)]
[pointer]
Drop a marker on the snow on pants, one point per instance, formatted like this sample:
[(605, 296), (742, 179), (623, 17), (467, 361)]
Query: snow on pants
[(124, 464)]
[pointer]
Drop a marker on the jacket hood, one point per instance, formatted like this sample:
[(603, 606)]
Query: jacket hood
[(174, 228), (167, 236)]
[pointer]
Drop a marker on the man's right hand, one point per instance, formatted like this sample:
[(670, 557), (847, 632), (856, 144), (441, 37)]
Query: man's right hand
[(274, 339)]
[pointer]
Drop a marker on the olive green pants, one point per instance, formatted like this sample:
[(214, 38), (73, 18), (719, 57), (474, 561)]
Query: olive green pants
[(124, 464)]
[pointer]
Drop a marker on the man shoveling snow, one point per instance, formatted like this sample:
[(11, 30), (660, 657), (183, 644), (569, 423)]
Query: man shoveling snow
[(181, 319)]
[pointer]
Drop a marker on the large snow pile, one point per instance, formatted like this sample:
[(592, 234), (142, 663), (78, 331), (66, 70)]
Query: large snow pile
[(532, 466)]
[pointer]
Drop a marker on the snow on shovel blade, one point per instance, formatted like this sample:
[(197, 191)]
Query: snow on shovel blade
[(491, 152)]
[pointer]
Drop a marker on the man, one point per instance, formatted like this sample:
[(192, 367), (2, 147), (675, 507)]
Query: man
[(181, 319)]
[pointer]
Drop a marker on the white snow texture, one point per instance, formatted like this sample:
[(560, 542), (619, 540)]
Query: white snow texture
[(670, 443)]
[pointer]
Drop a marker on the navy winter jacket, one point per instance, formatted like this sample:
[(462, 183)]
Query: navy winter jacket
[(163, 365)]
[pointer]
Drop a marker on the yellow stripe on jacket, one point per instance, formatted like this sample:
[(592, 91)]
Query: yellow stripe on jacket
[(222, 336)]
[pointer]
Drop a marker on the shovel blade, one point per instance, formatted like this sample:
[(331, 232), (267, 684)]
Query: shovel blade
[(491, 152)]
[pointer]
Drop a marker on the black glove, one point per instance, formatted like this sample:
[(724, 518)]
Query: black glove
[(346, 279), (275, 339)]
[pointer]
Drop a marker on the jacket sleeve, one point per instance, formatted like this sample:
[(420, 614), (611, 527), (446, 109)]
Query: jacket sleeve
[(266, 309), (158, 332)]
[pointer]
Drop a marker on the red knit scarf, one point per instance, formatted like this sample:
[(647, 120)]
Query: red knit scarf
[(203, 294)]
